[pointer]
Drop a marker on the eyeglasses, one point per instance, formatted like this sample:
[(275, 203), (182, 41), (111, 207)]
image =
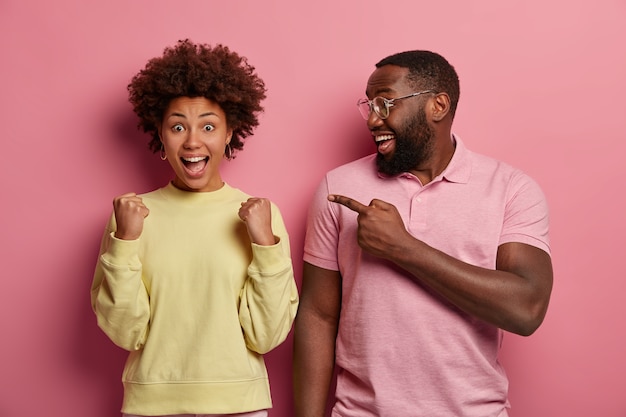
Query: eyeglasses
[(381, 105)]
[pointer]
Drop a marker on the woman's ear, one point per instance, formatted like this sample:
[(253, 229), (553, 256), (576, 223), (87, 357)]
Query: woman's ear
[(440, 107), (229, 136)]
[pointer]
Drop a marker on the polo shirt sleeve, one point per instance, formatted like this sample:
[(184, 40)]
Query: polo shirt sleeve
[(526, 217), (322, 232)]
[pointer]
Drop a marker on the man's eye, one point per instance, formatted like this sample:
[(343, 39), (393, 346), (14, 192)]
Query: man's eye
[(209, 128)]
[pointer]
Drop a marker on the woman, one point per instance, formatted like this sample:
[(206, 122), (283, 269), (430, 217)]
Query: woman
[(195, 279)]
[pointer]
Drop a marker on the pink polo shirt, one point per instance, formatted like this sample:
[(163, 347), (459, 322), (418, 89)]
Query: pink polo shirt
[(401, 349)]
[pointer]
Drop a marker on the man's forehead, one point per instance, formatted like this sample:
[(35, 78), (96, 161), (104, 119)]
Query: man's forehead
[(388, 78)]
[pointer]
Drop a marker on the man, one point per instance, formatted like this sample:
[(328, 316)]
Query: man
[(417, 259)]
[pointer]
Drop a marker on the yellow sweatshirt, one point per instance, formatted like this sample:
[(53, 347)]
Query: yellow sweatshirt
[(195, 303)]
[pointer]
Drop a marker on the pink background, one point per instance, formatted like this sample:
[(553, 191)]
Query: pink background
[(542, 87)]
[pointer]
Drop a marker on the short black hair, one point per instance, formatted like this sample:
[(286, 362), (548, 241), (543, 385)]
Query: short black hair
[(428, 70)]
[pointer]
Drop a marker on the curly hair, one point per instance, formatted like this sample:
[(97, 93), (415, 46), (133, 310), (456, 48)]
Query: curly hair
[(430, 70), (198, 70)]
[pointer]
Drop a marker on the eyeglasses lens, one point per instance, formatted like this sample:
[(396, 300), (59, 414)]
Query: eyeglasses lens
[(380, 108), (377, 105), (364, 108)]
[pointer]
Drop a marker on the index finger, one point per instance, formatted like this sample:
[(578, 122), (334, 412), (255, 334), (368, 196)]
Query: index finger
[(348, 202)]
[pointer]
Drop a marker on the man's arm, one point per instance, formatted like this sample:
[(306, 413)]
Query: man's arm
[(513, 297), (315, 333)]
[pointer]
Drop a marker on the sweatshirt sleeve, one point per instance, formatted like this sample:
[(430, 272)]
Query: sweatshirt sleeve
[(269, 298), (118, 295)]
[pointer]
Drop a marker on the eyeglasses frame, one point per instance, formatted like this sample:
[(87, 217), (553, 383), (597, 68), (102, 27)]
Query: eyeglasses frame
[(389, 103)]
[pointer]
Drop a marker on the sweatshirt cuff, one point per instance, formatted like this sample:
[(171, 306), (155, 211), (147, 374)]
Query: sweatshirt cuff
[(121, 251), (268, 259)]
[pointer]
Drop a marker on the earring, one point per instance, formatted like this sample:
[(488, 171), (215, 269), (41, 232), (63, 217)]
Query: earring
[(228, 152), (163, 154)]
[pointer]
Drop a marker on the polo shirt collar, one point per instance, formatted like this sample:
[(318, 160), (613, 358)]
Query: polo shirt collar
[(459, 168)]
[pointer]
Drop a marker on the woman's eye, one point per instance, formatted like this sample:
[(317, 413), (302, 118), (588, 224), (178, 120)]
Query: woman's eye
[(178, 128), (209, 128)]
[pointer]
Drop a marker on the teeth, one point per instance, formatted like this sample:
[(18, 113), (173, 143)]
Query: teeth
[(381, 138), (193, 159)]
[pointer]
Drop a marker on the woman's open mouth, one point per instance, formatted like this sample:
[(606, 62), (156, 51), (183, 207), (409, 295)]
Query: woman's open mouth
[(195, 164)]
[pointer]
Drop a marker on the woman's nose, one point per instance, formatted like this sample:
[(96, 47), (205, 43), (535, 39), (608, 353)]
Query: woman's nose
[(193, 139)]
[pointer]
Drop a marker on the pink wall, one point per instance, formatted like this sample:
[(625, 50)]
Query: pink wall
[(543, 86)]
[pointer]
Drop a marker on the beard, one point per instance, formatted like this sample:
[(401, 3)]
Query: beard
[(414, 145)]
